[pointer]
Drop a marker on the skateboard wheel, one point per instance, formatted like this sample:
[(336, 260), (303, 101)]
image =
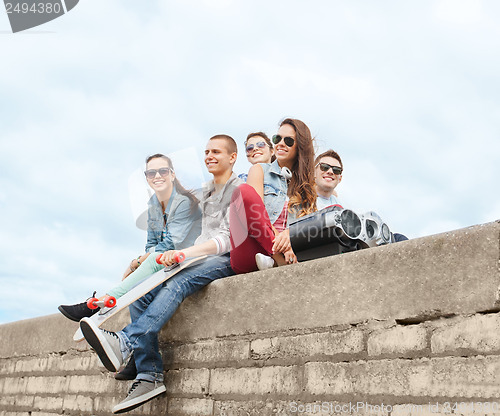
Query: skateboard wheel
[(109, 301), (158, 257), (91, 303), (180, 257)]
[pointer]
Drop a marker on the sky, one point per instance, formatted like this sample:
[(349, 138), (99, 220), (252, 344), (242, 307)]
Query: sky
[(406, 92)]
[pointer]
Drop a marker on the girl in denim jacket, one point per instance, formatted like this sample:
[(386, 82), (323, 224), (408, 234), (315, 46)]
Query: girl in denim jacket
[(274, 194), (174, 222)]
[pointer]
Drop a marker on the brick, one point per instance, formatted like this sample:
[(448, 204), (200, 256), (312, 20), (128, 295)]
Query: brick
[(47, 385), (93, 384), (82, 362), (187, 381), (188, 407), (212, 352), (427, 409), (33, 365), (78, 402), (19, 401), (48, 403), (399, 340), (265, 380), (310, 345), (251, 408), (7, 366), (437, 377), (14, 385), (478, 333)]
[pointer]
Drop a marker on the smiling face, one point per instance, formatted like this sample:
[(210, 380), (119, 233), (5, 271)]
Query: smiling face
[(286, 155), (160, 184), (327, 181), (259, 154), (218, 159)]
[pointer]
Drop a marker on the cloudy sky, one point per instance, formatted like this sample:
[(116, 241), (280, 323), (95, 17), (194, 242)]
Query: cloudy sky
[(407, 92)]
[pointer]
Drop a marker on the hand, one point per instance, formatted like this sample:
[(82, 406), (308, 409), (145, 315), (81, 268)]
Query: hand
[(290, 257), (134, 264), (281, 242), (168, 258)]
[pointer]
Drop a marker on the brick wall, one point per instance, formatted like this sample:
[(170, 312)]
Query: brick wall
[(409, 329)]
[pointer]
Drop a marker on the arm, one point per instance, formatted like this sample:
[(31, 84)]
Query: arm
[(206, 248), (256, 179)]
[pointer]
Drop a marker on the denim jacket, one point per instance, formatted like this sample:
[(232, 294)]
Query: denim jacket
[(275, 190), (178, 228)]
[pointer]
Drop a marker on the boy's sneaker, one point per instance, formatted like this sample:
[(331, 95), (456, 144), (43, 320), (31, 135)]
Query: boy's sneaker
[(141, 392), (129, 372), (105, 343), (264, 262), (78, 311)]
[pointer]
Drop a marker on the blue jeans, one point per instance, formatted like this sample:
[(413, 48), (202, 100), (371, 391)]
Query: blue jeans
[(153, 310)]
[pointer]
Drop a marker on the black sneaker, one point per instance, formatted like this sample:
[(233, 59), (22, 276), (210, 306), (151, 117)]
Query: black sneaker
[(141, 392), (78, 311), (129, 372)]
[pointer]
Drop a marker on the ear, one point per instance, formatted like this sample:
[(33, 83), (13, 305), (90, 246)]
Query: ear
[(233, 157)]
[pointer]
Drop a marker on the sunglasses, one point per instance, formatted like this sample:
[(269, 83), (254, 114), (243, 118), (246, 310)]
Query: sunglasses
[(289, 141), (325, 166), (151, 173), (260, 145)]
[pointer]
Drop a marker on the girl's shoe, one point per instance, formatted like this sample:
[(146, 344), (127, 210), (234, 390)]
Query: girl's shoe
[(264, 262)]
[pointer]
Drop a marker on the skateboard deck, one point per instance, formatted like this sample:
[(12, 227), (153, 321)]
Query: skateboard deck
[(139, 291)]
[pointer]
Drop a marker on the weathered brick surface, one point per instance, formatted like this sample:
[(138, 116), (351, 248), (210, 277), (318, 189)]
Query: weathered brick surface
[(48, 403), (251, 381), (190, 407), (188, 381), (478, 333), (437, 377), (400, 340), (213, 351), (265, 407), (14, 385), (310, 345), (78, 402), (255, 355), (396, 281)]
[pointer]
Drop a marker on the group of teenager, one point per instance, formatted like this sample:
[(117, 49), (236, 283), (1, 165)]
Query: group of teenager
[(241, 223)]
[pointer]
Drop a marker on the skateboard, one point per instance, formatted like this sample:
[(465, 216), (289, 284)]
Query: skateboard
[(111, 306)]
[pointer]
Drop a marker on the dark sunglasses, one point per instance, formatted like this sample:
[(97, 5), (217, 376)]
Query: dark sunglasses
[(289, 141), (260, 145), (325, 166), (151, 173)]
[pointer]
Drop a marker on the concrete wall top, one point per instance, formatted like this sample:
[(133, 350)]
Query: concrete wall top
[(451, 273)]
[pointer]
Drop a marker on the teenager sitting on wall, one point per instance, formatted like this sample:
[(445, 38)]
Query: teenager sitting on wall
[(174, 222), (150, 313), (274, 194), (259, 149)]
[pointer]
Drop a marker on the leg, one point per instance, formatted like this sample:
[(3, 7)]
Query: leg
[(141, 336), (250, 228)]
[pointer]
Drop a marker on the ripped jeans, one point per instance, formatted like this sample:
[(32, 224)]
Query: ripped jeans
[(153, 310)]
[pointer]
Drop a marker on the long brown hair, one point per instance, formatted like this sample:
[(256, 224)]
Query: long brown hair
[(301, 189), (178, 187)]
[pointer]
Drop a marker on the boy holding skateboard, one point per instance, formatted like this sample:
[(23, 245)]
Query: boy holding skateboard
[(150, 313)]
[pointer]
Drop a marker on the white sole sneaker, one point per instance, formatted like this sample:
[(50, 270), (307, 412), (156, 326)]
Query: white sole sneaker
[(138, 398), (264, 262), (97, 338)]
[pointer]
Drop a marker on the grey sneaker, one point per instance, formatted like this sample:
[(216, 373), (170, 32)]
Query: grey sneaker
[(141, 392), (105, 343)]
